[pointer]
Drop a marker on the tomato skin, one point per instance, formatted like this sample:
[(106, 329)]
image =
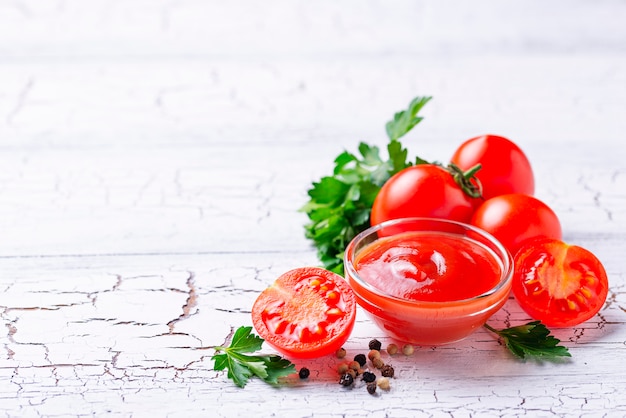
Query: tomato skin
[(515, 218), (504, 166), (307, 312), (424, 190), (559, 284)]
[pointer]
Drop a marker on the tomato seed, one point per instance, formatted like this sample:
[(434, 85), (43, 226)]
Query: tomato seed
[(332, 297), (281, 326), (334, 312)]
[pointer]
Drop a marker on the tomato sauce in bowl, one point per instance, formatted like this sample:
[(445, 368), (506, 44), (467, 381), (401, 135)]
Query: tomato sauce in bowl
[(428, 281)]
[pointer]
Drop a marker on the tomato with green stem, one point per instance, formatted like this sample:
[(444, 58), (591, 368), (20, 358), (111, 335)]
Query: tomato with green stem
[(423, 190), (516, 218), (504, 166), (307, 312), (559, 284)]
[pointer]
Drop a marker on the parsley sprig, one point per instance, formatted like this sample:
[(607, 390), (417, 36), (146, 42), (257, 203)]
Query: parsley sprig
[(340, 205), (531, 340), (242, 366)]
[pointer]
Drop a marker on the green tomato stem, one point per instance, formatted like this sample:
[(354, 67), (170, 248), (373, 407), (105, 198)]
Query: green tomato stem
[(467, 180)]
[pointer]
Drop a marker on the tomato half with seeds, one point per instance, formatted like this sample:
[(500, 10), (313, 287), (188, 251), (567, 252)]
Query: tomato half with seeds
[(307, 312), (559, 284)]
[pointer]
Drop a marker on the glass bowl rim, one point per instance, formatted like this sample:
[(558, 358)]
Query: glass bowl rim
[(504, 259)]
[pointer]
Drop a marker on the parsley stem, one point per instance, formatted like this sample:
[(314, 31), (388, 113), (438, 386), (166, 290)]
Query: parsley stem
[(490, 328)]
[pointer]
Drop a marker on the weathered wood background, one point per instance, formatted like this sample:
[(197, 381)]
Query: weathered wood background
[(154, 154)]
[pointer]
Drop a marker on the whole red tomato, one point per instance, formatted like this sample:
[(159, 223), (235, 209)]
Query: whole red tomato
[(425, 190), (515, 218), (504, 166), (559, 284)]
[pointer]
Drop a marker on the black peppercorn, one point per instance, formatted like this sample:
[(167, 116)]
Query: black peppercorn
[(369, 377), (375, 345), (346, 379), (304, 373), (371, 388), (361, 359), (387, 371)]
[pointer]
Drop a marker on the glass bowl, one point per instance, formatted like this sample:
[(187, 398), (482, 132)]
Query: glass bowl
[(428, 297)]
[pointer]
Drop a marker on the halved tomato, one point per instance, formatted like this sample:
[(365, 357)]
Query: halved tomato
[(307, 312), (559, 284)]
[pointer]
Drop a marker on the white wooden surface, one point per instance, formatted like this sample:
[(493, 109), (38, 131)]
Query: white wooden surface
[(154, 154)]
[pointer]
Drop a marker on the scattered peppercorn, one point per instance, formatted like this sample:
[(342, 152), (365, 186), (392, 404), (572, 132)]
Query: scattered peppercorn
[(371, 388), (341, 353), (387, 370), (375, 345), (360, 358), (369, 377), (342, 368), (304, 373), (354, 365), (373, 354), (383, 383), (392, 349), (408, 349), (378, 362), (352, 373), (346, 380)]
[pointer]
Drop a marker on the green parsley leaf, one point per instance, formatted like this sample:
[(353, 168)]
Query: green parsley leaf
[(340, 205), (405, 120), (241, 366), (531, 340)]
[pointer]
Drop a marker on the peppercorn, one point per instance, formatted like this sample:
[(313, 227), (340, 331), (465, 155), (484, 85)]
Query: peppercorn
[(304, 373), (373, 354), (369, 377), (387, 370), (407, 349), (360, 358), (342, 368), (378, 362), (375, 345), (341, 353), (383, 383), (355, 365), (346, 380), (371, 388), (392, 349)]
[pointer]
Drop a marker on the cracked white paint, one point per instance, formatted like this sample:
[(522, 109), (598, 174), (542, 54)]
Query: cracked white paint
[(154, 155)]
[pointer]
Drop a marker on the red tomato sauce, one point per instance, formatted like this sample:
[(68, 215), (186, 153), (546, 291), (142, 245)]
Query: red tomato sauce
[(428, 266)]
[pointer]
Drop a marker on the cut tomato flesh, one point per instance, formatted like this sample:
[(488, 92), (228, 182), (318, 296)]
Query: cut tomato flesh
[(559, 284), (306, 312)]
